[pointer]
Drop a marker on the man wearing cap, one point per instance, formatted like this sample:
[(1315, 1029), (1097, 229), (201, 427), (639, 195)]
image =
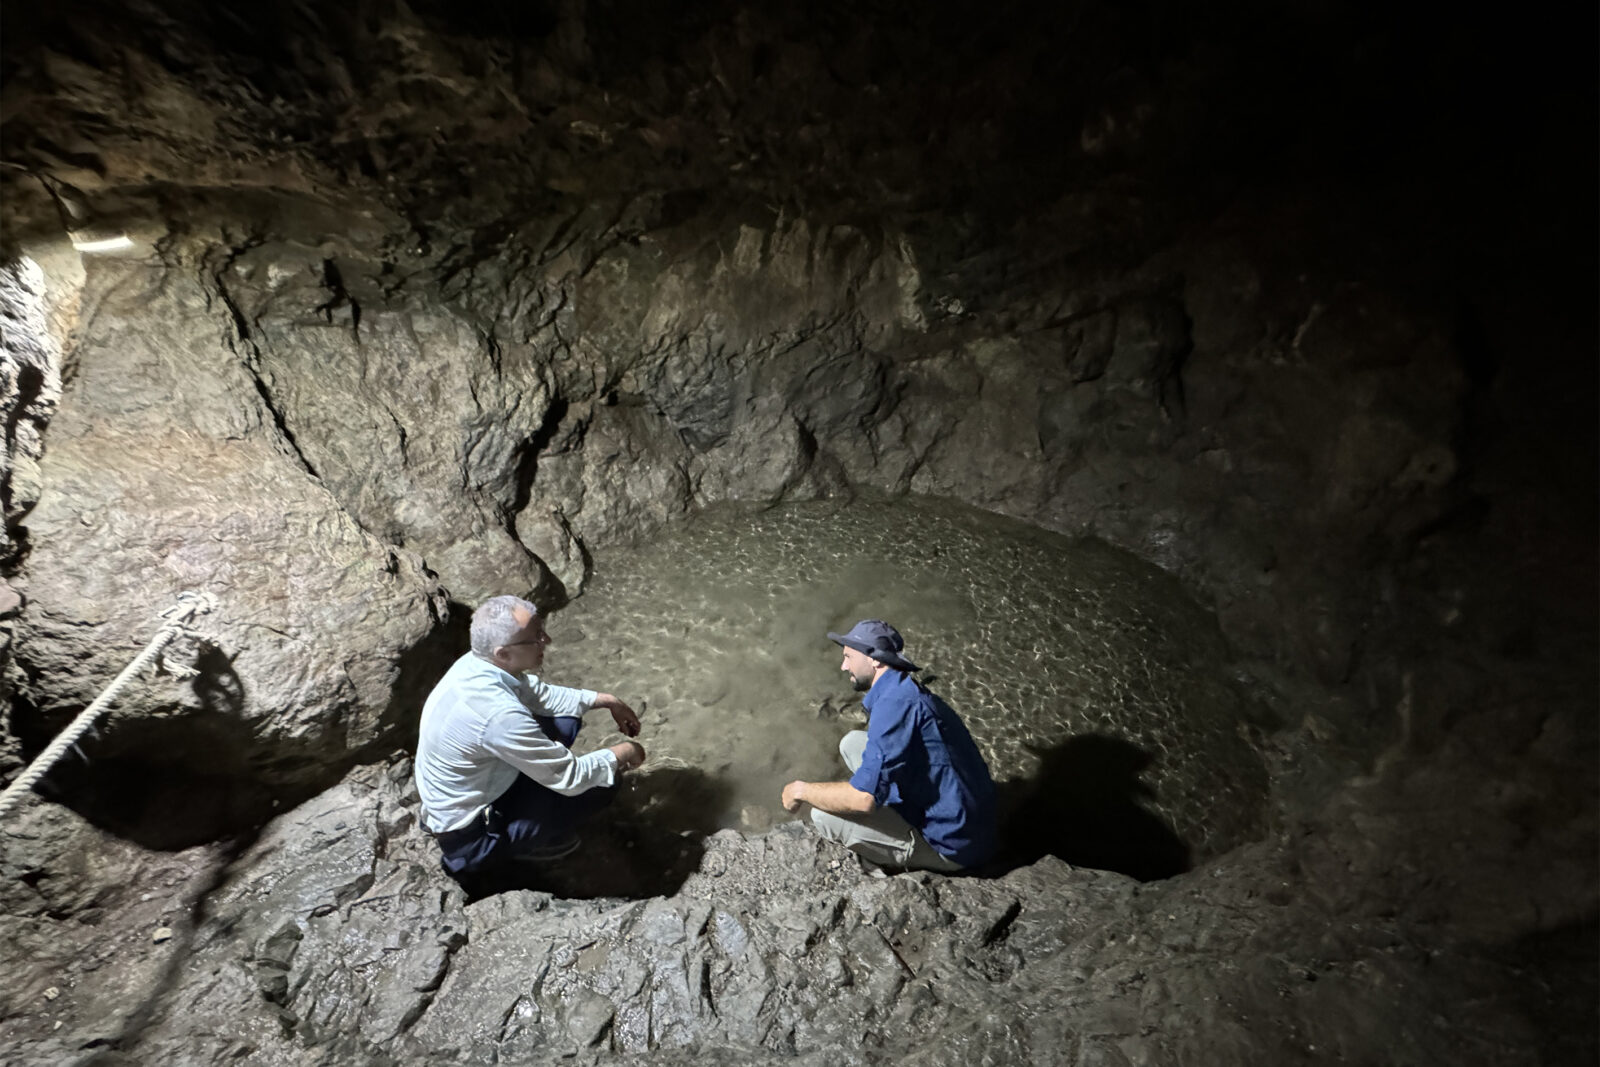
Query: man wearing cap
[(495, 771), (919, 793)]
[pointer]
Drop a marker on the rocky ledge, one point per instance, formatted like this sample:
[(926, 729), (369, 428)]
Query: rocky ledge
[(333, 937)]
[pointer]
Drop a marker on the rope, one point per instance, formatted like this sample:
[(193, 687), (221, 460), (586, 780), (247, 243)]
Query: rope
[(178, 616)]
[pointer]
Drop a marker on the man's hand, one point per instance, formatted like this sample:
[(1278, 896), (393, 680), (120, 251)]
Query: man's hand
[(837, 798), (627, 720), (791, 795), (630, 754)]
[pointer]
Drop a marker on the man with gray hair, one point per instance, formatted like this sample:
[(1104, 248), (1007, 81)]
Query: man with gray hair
[(495, 770)]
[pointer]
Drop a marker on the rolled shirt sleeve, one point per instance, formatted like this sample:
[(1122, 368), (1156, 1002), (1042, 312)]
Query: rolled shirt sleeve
[(515, 738), (889, 732), (920, 760)]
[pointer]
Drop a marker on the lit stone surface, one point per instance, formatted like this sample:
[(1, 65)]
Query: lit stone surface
[(719, 625)]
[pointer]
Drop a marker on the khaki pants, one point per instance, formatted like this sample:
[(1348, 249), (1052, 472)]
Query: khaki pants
[(881, 836)]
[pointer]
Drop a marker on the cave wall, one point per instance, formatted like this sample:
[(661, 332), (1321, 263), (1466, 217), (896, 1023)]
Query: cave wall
[(426, 301), (282, 382), (424, 305)]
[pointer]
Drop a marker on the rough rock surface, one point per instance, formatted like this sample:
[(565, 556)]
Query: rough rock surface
[(30, 386), (499, 458), (428, 299), (540, 289), (166, 462), (335, 938)]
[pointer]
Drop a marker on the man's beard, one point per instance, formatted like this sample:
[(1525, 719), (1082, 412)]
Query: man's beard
[(861, 685)]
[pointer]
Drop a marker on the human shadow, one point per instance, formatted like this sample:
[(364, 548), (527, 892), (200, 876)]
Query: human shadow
[(1085, 805), (421, 665), (645, 844), (173, 780)]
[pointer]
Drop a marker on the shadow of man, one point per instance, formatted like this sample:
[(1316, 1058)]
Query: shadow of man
[(645, 844), (1086, 806), (170, 781)]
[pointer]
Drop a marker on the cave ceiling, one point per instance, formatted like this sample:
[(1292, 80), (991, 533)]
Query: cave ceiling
[(431, 132)]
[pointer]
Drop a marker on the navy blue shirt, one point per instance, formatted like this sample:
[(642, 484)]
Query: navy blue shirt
[(921, 762)]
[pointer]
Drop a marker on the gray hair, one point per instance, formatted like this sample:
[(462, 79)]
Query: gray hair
[(494, 623)]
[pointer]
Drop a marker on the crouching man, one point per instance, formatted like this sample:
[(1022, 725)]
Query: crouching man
[(499, 783), (919, 793)]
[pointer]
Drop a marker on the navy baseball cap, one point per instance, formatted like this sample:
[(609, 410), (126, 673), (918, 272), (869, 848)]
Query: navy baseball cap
[(877, 639)]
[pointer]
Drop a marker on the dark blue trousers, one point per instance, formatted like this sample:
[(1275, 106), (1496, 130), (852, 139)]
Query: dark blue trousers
[(523, 822)]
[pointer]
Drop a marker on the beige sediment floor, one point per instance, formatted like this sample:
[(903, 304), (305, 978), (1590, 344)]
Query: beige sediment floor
[(717, 627)]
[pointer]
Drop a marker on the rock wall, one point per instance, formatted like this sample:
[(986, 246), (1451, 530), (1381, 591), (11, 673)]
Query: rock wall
[(166, 472), (1268, 447), (425, 301), (506, 289)]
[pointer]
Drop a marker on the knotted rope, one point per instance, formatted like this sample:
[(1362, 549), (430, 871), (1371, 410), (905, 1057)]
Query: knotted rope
[(177, 616)]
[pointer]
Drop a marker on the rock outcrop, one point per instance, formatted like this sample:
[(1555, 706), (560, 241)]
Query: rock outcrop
[(167, 473), (335, 938), (409, 303), (607, 292)]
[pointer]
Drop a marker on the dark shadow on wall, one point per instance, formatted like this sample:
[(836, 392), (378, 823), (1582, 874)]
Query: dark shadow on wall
[(646, 844), (301, 772), (421, 667), (169, 781), (1086, 806), (198, 774)]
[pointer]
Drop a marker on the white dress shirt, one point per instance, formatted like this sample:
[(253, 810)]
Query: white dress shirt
[(478, 734)]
